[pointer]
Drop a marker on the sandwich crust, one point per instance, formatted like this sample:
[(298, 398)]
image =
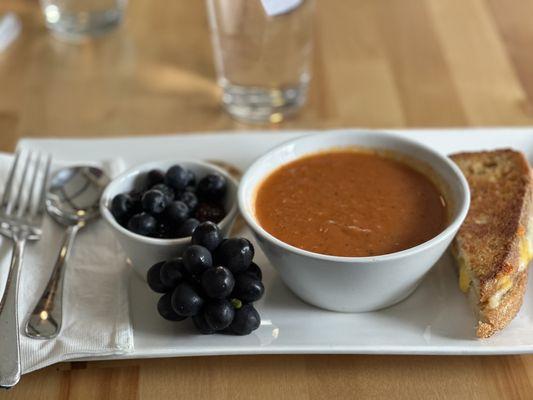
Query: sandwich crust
[(492, 320), (492, 244)]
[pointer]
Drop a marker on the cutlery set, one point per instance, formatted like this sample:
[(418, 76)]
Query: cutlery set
[(71, 199)]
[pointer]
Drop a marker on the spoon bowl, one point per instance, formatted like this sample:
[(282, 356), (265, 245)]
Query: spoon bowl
[(74, 194)]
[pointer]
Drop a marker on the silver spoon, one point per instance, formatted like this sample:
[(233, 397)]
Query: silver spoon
[(72, 200)]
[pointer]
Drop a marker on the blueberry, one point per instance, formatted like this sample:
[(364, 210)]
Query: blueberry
[(245, 321), (153, 277), (177, 177), (154, 177), (171, 272), (207, 234), (212, 187), (210, 212), (218, 314), (189, 198), (154, 202), (176, 213), (122, 207), (142, 224), (254, 271), (191, 179), (197, 259), (187, 228), (186, 302), (136, 196), (201, 325), (164, 307), (167, 191), (236, 254), (218, 283), (247, 288)]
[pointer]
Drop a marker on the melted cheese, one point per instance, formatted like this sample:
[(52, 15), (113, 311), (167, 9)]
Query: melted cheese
[(505, 283), (503, 287), (525, 256), (464, 276), (526, 253)]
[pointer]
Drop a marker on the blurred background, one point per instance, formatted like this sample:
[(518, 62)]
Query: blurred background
[(375, 63)]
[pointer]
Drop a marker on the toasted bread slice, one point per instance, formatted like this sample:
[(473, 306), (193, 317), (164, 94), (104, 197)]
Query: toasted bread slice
[(495, 242)]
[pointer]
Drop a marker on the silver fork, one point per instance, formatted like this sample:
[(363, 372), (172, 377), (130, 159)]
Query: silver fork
[(21, 217)]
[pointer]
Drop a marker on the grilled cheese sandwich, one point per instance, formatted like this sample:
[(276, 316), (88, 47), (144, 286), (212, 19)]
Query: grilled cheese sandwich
[(495, 243)]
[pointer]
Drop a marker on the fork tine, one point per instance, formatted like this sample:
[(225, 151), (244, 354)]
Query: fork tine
[(40, 206), (9, 184), (27, 208), (16, 205)]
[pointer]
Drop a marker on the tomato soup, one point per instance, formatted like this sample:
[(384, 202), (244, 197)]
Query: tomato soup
[(354, 203)]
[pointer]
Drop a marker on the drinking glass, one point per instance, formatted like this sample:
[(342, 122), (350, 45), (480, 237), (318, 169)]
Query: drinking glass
[(75, 19), (262, 56)]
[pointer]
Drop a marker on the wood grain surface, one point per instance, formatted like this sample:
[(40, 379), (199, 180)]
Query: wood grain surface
[(378, 63)]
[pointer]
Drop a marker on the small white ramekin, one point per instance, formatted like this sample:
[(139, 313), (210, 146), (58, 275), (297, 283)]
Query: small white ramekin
[(143, 251), (354, 284)]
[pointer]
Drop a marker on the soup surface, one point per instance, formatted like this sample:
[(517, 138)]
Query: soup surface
[(350, 203)]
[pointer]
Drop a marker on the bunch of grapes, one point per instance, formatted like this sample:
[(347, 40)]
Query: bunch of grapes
[(215, 282)]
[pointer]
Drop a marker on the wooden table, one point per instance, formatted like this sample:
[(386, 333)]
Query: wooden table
[(378, 63)]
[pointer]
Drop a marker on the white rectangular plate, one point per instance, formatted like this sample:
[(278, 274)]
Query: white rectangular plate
[(435, 319)]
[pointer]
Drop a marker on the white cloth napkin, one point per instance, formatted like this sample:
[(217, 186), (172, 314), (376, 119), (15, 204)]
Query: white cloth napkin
[(96, 319)]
